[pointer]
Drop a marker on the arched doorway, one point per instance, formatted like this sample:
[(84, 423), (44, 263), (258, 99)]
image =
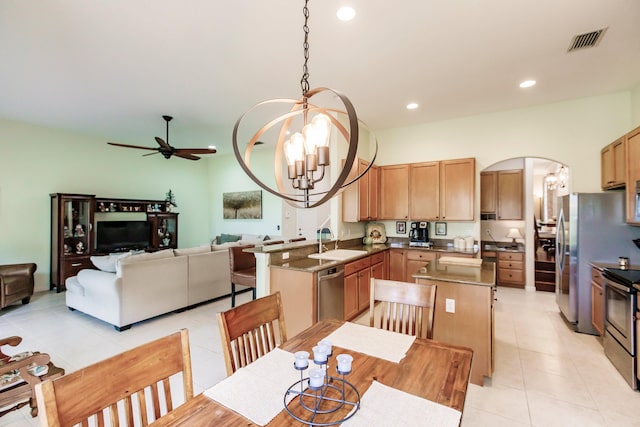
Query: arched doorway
[(543, 181)]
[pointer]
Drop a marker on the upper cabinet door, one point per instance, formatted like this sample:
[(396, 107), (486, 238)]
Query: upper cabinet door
[(394, 192), (488, 192), (457, 189), (510, 194), (424, 191)]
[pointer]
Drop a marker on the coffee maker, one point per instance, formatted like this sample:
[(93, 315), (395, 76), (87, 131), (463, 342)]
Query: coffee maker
[(419, 234)]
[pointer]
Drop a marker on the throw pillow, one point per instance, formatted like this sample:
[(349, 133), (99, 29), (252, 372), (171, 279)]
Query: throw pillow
[(224, 238), (105, 263), (223, 246)]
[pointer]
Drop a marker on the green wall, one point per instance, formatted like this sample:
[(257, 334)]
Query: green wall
[(36, 161)]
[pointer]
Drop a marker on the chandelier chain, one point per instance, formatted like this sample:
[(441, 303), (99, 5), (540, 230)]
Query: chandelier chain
[(304, 82)]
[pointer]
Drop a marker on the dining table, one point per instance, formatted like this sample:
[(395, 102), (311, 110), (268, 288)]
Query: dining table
[(431, 370)]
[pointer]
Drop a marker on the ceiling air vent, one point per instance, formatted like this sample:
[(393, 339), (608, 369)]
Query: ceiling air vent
[(586, 40)]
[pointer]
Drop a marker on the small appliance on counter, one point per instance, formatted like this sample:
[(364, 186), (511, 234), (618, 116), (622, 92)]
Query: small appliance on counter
[(419, 234)]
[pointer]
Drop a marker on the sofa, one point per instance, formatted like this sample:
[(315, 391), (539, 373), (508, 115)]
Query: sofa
[(129, 288)]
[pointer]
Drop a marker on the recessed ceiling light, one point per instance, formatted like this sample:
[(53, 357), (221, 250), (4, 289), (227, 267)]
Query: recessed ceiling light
[(346, 13), (412, 106), (527, 83)]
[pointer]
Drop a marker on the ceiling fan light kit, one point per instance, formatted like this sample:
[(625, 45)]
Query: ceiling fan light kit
[(305, 148), (167, 150)]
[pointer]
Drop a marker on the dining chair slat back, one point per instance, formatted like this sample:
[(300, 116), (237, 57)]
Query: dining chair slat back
[(131, 388), (402, 307), (249, 331)]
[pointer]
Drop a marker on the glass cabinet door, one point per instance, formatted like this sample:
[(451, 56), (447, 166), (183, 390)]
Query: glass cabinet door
[(76, 227)]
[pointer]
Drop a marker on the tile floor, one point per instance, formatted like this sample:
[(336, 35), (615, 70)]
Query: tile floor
[(545, 375)]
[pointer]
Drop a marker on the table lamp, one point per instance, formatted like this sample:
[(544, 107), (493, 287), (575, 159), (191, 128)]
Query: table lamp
[(514, 234)]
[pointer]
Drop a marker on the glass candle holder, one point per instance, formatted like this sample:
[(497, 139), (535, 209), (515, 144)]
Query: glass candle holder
[(344, 363), (301, 359), (316, 378), (320, 353), (329, 346)]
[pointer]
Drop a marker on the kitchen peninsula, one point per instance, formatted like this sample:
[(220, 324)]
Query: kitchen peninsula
[(463, 313)]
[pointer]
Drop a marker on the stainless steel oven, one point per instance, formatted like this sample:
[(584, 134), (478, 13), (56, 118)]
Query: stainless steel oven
[(620, 323)]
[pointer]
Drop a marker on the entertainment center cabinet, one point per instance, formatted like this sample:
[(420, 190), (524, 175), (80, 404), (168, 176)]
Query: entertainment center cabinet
[(73, 229)]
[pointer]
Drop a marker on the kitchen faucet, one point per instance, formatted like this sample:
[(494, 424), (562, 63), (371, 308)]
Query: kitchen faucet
[(320, 246)]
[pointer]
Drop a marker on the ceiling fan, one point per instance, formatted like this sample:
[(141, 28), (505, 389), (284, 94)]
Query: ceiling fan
[(167, 150)]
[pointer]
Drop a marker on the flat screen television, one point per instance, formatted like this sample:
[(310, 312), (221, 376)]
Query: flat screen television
[(122, 236)]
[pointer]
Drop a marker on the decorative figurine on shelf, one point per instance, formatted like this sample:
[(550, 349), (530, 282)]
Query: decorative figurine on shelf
[(66, 231), (101, 207), (166, 240), (113, 207), (78, 231), (171, 201), (67, 249), (79, 248)]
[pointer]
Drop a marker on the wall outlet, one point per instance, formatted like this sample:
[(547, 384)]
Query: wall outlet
[(285, 255), (450, 305)]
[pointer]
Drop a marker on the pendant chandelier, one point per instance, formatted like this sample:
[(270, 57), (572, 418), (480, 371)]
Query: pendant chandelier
[(303, 141)]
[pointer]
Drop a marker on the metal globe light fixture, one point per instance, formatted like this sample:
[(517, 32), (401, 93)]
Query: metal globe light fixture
[(305, 149)]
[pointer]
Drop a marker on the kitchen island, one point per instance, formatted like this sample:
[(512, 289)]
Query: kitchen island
[(463, 314)]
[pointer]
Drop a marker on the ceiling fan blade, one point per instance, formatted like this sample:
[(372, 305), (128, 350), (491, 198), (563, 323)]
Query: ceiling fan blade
[(187, 156), (195, 150), (151, 154), (163, 144), (131, 146)]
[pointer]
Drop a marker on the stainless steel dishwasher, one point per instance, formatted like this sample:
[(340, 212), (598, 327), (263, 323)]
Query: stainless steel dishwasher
[(331, 293)]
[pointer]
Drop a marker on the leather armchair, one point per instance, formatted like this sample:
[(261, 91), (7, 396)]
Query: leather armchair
[(16, 283)]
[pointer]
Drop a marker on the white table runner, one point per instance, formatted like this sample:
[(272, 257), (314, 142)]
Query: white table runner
[(257, 390), (385, 406), (391, 346)]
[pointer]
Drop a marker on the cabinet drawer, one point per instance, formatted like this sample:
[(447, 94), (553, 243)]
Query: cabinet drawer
[(515, 265), (356, 266), (71, 267), (513, 276), (511, 256), (596, 276), (376, 258), (421, 256)]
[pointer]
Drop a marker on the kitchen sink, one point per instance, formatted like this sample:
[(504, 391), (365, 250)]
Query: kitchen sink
[(339, 254)]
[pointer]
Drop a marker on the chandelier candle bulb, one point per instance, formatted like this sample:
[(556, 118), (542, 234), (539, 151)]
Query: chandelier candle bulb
[(301, 359), (344, 363)]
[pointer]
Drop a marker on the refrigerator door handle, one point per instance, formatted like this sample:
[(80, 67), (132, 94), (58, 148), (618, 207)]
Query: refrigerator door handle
[(560, 241)]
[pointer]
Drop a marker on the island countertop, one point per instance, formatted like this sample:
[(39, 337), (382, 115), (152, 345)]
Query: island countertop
[(484, 275)]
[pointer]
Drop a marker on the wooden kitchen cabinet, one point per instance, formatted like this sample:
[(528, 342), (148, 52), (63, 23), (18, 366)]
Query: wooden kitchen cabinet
[(397, 267), (457, 189), (597, 301), (424, 191), (357, 279), (633, 174), (613, 164), (394, 192), (416, 259), (360, 202), (502, 194), (511, 269)]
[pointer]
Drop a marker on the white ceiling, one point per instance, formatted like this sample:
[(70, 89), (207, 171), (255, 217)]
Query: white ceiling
[(112, 68)]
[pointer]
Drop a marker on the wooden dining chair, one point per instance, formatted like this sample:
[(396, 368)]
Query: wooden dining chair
[(297, 239), (402, 307), (131, 388), (248, 331), (273, 242)]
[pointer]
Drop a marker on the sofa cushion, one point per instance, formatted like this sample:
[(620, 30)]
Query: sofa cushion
[(166, 253), (224, 246), (107, 262), (224, 238), (191, 251)]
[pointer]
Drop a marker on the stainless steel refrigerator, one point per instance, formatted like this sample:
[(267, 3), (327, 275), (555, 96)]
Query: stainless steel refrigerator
[(590, 227)]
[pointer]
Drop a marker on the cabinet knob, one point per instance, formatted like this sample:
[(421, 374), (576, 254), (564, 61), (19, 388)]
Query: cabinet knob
[(76, 264)]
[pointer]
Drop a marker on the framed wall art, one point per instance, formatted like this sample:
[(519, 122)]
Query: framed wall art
[(242, 205)]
